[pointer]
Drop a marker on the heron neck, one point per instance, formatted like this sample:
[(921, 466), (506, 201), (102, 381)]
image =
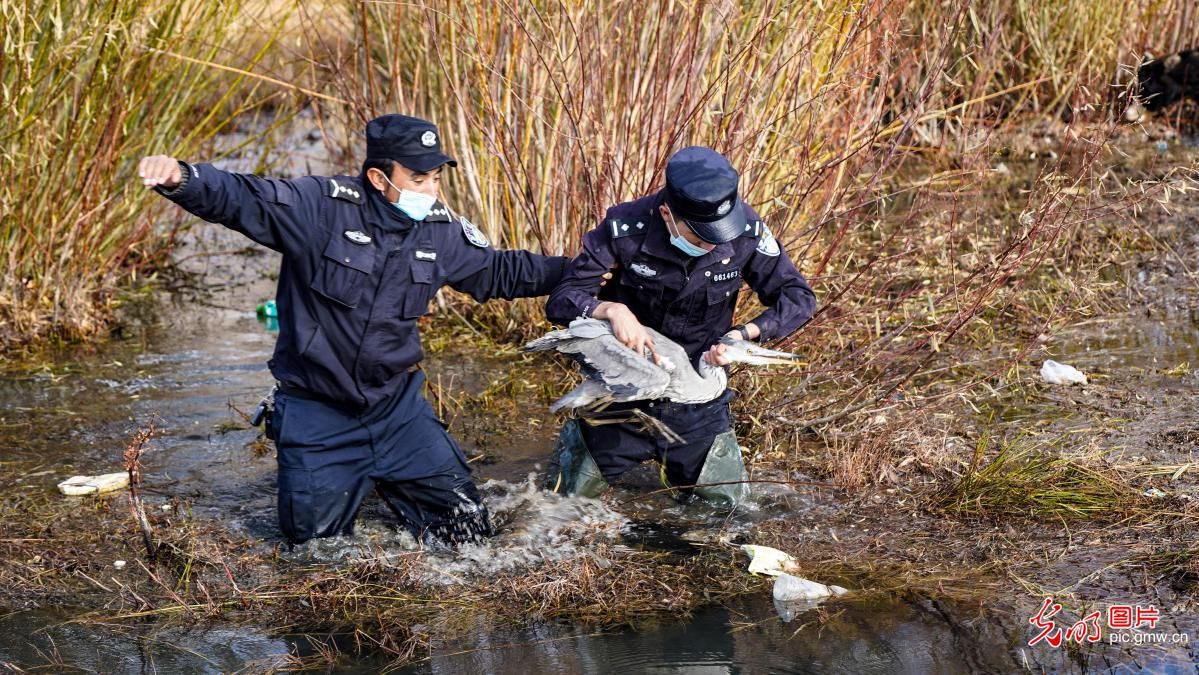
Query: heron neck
[(711, 373)]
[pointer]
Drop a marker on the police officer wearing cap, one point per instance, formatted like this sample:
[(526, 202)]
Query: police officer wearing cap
[(362, 257), (677, 260)]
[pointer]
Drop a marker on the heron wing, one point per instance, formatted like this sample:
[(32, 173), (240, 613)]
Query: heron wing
[(550, 340), (588, 394), (589, 328), (628, 375), (579, 329)]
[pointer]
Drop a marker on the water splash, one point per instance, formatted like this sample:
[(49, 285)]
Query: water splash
[(533, 526)]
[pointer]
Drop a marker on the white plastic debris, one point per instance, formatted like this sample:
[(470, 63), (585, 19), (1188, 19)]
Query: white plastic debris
[(94, 485), (789, 588), (1060, 373), (771, 561), (794, 596), (119, 564)]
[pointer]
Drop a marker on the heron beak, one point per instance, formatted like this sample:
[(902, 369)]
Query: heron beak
[(748, 352)]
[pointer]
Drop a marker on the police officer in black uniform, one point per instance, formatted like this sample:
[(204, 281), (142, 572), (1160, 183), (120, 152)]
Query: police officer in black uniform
[(362, 257), (675, 261)]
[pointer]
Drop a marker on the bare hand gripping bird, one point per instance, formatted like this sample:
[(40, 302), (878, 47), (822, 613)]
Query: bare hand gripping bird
[(615, 373)]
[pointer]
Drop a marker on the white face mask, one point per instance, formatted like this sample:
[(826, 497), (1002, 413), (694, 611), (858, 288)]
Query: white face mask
[(416, 205), (680, 242)]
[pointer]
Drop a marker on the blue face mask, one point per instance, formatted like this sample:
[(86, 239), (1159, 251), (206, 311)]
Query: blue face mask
[(682, 244), (416, 205)]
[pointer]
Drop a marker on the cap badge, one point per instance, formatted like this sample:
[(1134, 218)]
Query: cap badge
[(357, 237), (428, 139), (724, 207)]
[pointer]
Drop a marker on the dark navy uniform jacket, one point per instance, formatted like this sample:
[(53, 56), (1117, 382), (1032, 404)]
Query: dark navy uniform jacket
[(690, 300), (356, 274)]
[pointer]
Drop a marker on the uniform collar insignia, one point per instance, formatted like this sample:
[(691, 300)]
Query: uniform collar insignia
[(440, 213)]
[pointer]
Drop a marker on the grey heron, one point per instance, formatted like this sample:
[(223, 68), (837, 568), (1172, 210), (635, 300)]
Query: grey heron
[(615, 373)]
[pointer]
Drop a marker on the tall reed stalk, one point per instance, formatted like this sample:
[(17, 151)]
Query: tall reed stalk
[(866, 131), (86, 89)]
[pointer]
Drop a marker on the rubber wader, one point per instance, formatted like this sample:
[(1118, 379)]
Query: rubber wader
[(723, 465), (577, 472)]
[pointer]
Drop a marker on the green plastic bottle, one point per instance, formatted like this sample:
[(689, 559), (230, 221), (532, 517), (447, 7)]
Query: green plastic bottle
[(267, 310)]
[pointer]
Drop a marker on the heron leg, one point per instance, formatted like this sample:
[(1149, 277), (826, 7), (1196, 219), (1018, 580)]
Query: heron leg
[(646, 423), (722, 478), (654, 425)]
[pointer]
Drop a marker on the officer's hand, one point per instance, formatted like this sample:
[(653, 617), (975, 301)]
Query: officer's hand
[(715, 356), (627, 328), (159, 171)]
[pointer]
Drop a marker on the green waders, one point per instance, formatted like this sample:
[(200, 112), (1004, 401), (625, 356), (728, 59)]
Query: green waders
[(721, 480), (577, 472)]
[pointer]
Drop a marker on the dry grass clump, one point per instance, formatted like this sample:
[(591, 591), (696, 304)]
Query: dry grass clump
[(606, 587), (1024, 481), (883, 450), (1179, 565)]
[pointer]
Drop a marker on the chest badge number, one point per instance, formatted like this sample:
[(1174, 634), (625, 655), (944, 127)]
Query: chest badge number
[(643, 270), (425, 255), (357, 237)]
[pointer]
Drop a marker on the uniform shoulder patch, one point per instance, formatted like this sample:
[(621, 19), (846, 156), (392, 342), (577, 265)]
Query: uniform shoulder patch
[(473, 234), (440, 213), (767, 244), (623, 227), (342, 189)]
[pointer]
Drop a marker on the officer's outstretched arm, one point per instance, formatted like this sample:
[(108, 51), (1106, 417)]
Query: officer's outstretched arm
[(273, 213), (485, 273), (160, 171)]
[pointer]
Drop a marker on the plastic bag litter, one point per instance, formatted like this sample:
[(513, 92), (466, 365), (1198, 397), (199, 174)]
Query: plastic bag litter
[(794, 596), (1060, 373), (789, 588), (90, 485), (766, 560)]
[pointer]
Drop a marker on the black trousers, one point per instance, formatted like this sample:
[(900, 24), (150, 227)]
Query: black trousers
[(330, 460), (616, 448)]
